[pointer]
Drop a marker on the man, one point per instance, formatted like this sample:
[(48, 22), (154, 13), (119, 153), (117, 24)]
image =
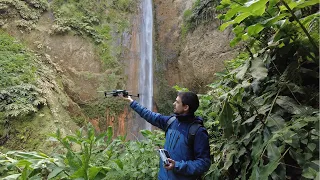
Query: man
[(186, 163)]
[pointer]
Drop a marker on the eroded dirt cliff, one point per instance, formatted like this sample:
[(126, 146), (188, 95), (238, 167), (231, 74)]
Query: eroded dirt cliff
[(193, 60), (74, 79)]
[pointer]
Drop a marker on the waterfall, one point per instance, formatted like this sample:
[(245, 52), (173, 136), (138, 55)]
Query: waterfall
[(146, 68)]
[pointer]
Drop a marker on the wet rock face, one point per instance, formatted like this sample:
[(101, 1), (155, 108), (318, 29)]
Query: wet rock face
[(192, 62), (203, 55)]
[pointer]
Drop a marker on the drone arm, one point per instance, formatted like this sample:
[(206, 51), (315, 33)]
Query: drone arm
[(134, 95)]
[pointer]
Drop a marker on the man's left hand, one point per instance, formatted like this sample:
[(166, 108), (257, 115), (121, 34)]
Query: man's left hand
[(171, 164)]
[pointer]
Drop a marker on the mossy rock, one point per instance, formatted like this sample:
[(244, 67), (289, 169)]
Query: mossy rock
[(30, 132)]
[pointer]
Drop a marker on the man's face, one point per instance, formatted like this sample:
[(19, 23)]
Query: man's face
[(179, 108)]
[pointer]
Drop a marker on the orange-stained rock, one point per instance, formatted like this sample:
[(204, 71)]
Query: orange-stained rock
[(95, 124)]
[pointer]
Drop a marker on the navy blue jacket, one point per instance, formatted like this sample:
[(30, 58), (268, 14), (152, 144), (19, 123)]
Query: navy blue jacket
[(190, 162)]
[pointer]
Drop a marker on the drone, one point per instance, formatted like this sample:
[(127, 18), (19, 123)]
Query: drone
[(116, 93)]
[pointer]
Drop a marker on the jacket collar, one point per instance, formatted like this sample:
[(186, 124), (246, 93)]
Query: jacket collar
[(185, 117)]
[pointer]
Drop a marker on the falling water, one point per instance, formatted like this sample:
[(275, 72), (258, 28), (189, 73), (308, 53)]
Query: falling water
[(146, 68)]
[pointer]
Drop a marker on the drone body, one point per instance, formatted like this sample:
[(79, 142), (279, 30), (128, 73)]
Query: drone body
[(116, 93)]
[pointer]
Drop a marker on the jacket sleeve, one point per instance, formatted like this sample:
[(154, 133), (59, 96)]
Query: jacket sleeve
[(202, 161), (155, 119)]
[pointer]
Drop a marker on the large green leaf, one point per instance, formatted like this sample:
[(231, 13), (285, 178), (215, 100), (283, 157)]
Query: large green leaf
[(250, 120), (241, 17), (264, 109), (229, 159), (272, 4), (271, 21), (303, 4), (257, 7), (257, 148), (73, 160), (291, 4), (38, 164), (290, 105), (273, 151), (312, 146), (12, 177), (145, 133), (309, 20), (242, 71), (73, 139), (25, 173), (225, 2), (298, 157), (93, 171), (27, 155), (119, 163), (79, 174), (255, 175), (254, 30), (56, 171), (309, 173), (275, 120), (258, 69), (248, 136), (23, 162), (266, 170), (36, 177), (225, 118), (233, 11), (225, 25)]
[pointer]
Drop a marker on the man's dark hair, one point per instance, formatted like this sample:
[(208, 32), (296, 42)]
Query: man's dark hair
[(190, 99)]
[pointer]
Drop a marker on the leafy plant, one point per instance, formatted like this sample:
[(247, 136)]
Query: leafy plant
[(102, 21), (87, 155), (138, 159), (201, 12), (27, 12), (263, 115), (19, 92)]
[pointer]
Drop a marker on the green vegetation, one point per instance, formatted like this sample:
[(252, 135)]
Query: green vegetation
[(100, 108), (17, 65), (164, 94), (27, 13), (19, 93), (25, 132), (102, 21), (99, 157), (263, 116), (203, 11)]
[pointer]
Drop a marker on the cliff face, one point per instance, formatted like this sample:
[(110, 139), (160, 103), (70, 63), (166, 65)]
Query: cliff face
[(190, 61), (77, 72), (74, 73)]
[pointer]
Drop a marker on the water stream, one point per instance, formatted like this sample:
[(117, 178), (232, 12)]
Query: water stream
[(146, 68)]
